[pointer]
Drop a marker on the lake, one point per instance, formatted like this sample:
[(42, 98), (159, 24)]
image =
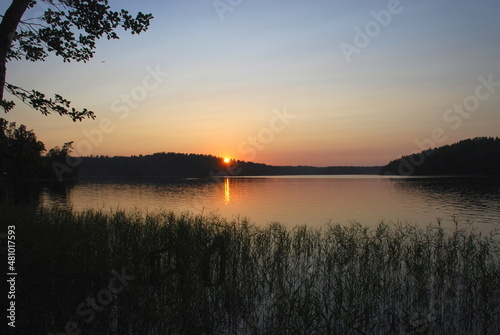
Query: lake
[(298, 200)]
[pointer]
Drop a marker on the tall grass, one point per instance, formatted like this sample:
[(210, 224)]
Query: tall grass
[(205, 275)]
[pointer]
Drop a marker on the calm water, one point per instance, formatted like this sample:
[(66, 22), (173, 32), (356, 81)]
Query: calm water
[(311, 200)]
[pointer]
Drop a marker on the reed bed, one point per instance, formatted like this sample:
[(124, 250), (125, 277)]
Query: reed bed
[(196, 274)]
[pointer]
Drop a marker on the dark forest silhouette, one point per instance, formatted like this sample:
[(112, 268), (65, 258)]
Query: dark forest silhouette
[(192, 165), (477, 156), (21, 154), (21, 158)]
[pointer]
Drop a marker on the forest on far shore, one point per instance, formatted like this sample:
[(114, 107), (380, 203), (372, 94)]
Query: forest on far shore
[(193, 165), (22, 158), (477, 156)]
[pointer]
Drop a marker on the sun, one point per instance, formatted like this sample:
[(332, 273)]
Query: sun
[(227, 160)]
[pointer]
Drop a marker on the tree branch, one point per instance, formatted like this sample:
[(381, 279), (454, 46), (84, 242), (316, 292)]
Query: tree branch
[(37, 100), (69, 29)]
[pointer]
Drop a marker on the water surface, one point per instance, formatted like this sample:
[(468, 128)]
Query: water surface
[(293, 200)]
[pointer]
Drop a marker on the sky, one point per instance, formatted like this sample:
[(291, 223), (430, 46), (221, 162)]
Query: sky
[(295, 82)]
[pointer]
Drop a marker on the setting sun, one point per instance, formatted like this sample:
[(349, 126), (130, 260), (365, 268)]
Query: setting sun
[(227, 160)]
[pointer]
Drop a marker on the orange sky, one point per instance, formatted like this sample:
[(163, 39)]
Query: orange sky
[(201, 81)]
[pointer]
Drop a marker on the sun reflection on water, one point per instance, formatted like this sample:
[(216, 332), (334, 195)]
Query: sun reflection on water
[(227, 193)]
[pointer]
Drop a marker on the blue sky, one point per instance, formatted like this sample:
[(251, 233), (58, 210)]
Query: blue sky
[(231, 70)]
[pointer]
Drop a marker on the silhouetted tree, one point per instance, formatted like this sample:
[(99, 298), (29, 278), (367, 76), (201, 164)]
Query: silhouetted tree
[(69, 29), (20, 151), (55, 163)]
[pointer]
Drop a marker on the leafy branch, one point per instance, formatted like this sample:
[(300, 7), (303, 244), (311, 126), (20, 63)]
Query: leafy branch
[(38, 101), (69, 29)]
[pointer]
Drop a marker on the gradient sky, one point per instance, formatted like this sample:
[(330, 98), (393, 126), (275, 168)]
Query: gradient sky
[(229, 72)]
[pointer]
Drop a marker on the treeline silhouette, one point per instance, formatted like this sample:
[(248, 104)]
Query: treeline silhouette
[(21, 154), (477, 156), (256, 169), (158, 164), (195, 165), (21, 159)]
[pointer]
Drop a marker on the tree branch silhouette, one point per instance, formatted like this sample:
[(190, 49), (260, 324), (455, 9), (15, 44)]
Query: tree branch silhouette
[(68, 29)]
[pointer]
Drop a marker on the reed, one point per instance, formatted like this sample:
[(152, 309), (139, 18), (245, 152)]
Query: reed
[(196, 274)]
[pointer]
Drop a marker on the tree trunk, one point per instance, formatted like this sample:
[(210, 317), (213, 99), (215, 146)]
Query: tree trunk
[(8, 28)]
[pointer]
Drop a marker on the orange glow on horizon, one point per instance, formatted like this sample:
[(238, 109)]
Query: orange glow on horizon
[(227, 160)]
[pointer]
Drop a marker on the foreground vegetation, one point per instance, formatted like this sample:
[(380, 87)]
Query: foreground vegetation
[(160, 273)]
